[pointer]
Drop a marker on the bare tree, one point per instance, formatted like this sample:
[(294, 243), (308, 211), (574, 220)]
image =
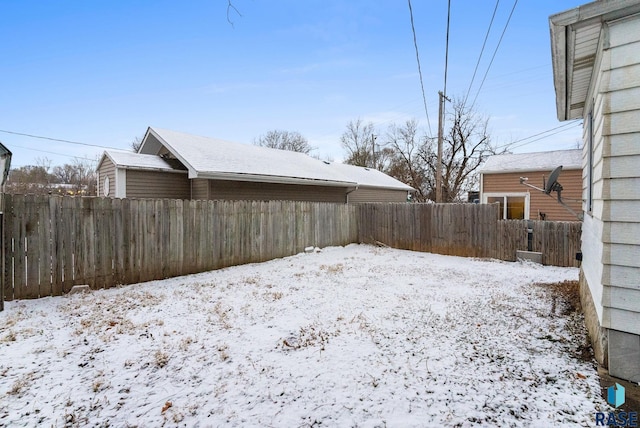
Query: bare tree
[(284, 140), (406, 164), (467, 145), (136, 144), (76, 178), (411, 157), (359, 142), (29, 179)]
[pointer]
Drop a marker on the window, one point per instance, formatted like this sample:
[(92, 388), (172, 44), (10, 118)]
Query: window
[(513, 206)]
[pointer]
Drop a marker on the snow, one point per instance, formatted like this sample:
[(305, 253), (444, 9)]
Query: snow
[(538, 161), (348, 336)]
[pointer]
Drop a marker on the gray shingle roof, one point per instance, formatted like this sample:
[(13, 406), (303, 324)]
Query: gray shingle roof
[(219, 159)]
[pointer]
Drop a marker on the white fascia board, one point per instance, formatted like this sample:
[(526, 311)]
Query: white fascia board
[(193, 173), (121, 183), (406, 188), (231, 176)]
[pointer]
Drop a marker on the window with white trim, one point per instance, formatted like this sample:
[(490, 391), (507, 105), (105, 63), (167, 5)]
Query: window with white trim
[(513, 206)]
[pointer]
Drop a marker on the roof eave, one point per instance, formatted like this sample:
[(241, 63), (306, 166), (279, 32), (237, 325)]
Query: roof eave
[(233, 176), (562, 28), (512, 171)]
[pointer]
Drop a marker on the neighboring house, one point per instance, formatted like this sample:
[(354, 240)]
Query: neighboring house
[(500, 182), (182, 166), (596, 66)]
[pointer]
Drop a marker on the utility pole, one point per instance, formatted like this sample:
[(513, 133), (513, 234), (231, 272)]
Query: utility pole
[(373, 150), (439, 163)]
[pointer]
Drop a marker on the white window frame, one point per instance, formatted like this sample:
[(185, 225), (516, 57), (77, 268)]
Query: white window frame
[(505, 195)]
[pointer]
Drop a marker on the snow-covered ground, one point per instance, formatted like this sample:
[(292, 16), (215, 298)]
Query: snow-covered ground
[(354, 336)]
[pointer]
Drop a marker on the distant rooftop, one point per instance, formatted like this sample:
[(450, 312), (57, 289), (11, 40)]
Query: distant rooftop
[(538, 161)]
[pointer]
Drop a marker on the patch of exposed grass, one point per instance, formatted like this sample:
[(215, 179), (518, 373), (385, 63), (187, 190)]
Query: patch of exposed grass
[(565, 296)]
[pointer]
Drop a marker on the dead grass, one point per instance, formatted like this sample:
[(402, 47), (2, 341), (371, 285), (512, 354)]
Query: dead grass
[(565, 302), (565, 297)]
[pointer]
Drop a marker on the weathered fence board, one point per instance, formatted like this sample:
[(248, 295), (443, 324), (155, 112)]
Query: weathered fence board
[(468, 230), (53, 242)]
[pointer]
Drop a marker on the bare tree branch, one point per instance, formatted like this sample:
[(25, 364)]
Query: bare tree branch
[(231, 7)]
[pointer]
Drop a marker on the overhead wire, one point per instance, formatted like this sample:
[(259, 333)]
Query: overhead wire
[(486, 37), (446, 49), (564, 127), (504, 30), (415, 44), (56, 139)]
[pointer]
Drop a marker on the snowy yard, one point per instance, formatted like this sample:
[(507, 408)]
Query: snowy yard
[(354, 336)]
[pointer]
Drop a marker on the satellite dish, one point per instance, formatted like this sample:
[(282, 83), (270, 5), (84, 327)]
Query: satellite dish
[(552, 185), (553, 179)]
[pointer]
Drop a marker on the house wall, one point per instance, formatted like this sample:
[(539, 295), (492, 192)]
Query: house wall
[(107, 169), (377, 195), (199, 188), (256, 191), (538, 201), (157, 184), (611, 232)]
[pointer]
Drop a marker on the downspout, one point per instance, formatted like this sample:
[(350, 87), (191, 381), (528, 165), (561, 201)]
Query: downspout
[(350, 191)]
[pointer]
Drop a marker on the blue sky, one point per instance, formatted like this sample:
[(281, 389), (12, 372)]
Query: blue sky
[(101, 72)]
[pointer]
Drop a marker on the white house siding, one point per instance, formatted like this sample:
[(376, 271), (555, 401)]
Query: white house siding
[(377, 195), (611, 232)]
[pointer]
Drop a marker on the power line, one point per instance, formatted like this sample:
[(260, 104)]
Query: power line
[(415, 44), (545, 136), (495, 52), (481, 52), (446, 49), (56, 139), (564, 127), (54, 153)]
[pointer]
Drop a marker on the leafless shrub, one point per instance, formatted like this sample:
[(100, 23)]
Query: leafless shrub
[(222, 351), (9, 337), (334, 269), (161, 358), (21, 384), (311, 335), (185, 342)]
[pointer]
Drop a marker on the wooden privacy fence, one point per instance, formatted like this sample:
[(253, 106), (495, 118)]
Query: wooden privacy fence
[(53, 243), (469, 230)]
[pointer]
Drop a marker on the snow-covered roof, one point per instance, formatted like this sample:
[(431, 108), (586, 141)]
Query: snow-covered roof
[(368, 177), (538, 161), (219, 159), (132, 160)]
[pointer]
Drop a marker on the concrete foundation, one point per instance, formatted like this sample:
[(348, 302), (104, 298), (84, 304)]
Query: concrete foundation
[(597, 334), (531, 256), (624, 355)]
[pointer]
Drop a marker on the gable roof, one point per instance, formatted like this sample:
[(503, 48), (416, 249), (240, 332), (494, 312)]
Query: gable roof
[(130, 160), (575, 38), (538, 161), (211, 158)]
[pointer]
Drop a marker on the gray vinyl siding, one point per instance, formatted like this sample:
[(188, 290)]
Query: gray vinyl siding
[(156, 184), (254, 191), (107, 169), (363, 195), (199, 188), (613, 223)]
